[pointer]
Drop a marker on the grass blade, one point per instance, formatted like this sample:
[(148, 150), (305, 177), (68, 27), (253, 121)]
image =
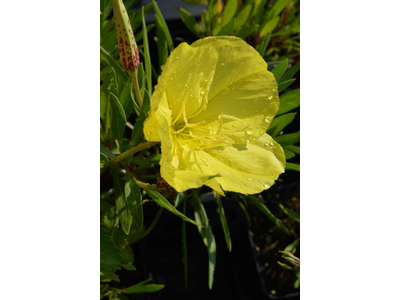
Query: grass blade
[(264, 209), (208, 239), (164, 26), (147, 60), (157, 197), (224, 223)]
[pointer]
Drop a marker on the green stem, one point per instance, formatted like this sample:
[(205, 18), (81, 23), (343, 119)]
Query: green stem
[(146, 186), (136, 88), (154, 223), (132, 151)]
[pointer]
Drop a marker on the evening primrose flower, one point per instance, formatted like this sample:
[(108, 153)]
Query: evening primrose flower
[(210, 110)]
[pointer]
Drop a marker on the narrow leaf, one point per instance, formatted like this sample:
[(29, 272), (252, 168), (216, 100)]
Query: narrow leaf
[(246, 30), (123, 210), (269, 26), (292, 167), (289, 101), (280, 69), (285, 84), (205, 21), (288, 154), (229, 12), (288, 139), (137, 131), (157, 197), (290, 213), (147, 61), (227, 29), (164, 26), (224, 223), (118, 118), (105, 56), (162, 44), (190, 22), (264, 209), (208, 239), (295, 149), (143, 288), (133, 197), (291, 72), (277, 8), (279, 123), (243, 16)]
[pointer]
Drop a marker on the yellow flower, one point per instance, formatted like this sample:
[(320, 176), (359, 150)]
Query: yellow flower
[(210, 110)]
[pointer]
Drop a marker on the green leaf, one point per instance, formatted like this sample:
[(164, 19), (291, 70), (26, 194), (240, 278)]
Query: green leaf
[(137, 15), (227, 29), (277, 8), (288, 139), (164, 26), (104, 162), (190, 22), (110, 257), (142, 287), (139, 35), (157, 197), (269, 26), (133, 197), (208, 239), (291, 214), (279, 123), (128, 267), (243, 16), (224, 223), (264, 209), (105, 56), (162, 44), (292, 167), (212, 14), (291, 72), (205, 21), (289, 101), (179, 198), (229, 12), (106, 152), (118, 118), (288, 154), (285, 84), (137, 131), (147, 61), (124, 213), (295, 149), (280, 69), (246, 30)]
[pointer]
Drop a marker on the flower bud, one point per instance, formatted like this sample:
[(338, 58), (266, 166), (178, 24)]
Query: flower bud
[(128, 50)]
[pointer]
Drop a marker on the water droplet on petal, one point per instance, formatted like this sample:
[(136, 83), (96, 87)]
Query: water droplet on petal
[(250, 179), (250, 132), (267, 185), (270, 97), (266, 144), (271, 144), (234, 125)]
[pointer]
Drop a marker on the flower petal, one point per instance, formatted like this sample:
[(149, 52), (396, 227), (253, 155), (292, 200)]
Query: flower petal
[(187, 74), (242, 86)]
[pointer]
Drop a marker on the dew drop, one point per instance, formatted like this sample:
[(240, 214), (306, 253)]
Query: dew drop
[(262, 132), (250, 132), (271, 144), (270, 97), (267, 185), (266, 144), (223, 64), (250, 179), (234, 125)]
